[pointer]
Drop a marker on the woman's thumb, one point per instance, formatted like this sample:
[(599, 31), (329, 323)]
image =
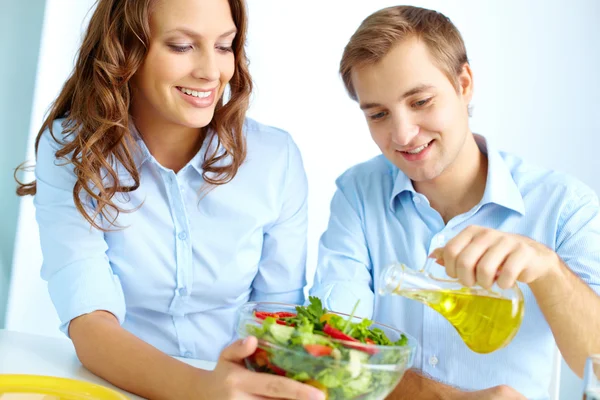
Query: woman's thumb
[(240, 349)]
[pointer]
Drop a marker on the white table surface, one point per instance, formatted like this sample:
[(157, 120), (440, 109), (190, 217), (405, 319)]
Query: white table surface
[(25, 353)]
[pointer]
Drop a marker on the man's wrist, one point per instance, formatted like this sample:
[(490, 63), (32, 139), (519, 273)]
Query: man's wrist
[(544, 288), (415, 385)]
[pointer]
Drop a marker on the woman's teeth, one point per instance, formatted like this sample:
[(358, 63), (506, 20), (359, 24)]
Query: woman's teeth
[(194, 93), (418, 149)]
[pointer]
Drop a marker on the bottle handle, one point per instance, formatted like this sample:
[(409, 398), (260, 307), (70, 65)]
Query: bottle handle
[(426, 270), (427, 266)]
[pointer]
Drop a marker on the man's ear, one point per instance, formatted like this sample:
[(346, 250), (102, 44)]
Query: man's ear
[(465, 83)]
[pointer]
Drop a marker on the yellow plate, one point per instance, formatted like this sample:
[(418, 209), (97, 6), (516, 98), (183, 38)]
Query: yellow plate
[(37, 387)]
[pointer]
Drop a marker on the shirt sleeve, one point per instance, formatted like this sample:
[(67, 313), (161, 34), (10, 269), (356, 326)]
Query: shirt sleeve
[(281, 274), (75, 264), (578, 239), (344, 272)]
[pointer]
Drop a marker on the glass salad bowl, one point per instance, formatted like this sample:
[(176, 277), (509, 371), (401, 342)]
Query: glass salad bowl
[(345, 356)]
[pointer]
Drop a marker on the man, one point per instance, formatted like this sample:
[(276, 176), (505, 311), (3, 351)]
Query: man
[(492, 218)]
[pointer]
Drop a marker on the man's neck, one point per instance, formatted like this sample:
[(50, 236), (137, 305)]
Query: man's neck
[(461, 186)]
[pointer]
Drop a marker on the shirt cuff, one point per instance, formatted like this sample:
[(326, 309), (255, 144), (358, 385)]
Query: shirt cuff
[(341, 297), (292, 297), (83, 287)]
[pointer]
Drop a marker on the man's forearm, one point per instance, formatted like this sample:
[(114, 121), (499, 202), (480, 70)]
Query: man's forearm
[(572, 309), (112, 353), (416, 386)]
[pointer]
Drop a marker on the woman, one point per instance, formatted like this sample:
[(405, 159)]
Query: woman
[(161, 209)]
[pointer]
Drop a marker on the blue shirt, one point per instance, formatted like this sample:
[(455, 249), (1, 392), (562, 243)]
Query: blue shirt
[(183, 264), (377, 218)]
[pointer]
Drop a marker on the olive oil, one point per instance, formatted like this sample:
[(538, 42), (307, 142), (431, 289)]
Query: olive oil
[(485, 322)]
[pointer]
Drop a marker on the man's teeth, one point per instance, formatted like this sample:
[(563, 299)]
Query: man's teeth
[(418, 149), (194, 93)]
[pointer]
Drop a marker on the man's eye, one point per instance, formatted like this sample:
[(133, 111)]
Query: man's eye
[(377, 116), (421, 103)]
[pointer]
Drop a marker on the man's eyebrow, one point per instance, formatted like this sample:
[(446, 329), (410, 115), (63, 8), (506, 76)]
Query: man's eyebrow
[(408, 93)]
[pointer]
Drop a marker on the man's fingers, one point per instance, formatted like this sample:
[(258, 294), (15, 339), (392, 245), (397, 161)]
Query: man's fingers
[(452, 250), (489, 264)]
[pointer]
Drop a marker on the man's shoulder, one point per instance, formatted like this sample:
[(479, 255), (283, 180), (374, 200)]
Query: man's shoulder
[(531, 179)]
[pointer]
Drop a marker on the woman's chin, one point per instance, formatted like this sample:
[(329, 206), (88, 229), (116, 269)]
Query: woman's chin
[(198, 119)]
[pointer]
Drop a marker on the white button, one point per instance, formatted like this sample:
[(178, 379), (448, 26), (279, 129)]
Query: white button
[(182, 235), (433, 360), (417, 200), (188, 354), (183, 292)]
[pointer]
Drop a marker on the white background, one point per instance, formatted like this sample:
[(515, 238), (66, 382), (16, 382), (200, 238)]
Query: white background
[(537, 94)]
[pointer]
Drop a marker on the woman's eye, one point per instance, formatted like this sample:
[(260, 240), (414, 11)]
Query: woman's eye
[(180, 48)]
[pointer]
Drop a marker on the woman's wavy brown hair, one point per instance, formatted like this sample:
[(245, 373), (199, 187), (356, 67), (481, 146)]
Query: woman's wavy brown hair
[(95, 103)]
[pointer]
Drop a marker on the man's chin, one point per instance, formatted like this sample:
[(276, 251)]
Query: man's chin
[(421, 175)]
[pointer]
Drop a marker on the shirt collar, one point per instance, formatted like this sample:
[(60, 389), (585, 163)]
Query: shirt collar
[(143, 154), (401, 183), (500, 187)]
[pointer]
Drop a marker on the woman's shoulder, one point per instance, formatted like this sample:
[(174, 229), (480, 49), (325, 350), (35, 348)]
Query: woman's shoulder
[(268, 142), (265, 135), (53, 137), (269, 147)]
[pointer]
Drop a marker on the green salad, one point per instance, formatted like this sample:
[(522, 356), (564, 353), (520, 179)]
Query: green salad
[(325, 350)]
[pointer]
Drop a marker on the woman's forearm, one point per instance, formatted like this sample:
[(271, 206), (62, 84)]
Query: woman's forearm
[(124, 360)]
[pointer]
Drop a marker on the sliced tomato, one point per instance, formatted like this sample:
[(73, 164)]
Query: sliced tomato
[(284, 314), (277, 370), (265, 315), (367, 348), (276, 315), (337, 334), (318, 350), (261, 357), (371, 350)]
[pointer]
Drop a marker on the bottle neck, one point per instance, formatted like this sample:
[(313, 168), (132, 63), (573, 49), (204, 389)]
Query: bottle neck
[(398, 278)]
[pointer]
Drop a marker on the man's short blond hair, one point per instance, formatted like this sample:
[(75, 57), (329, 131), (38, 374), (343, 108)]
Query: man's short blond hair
[(384, 29)]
